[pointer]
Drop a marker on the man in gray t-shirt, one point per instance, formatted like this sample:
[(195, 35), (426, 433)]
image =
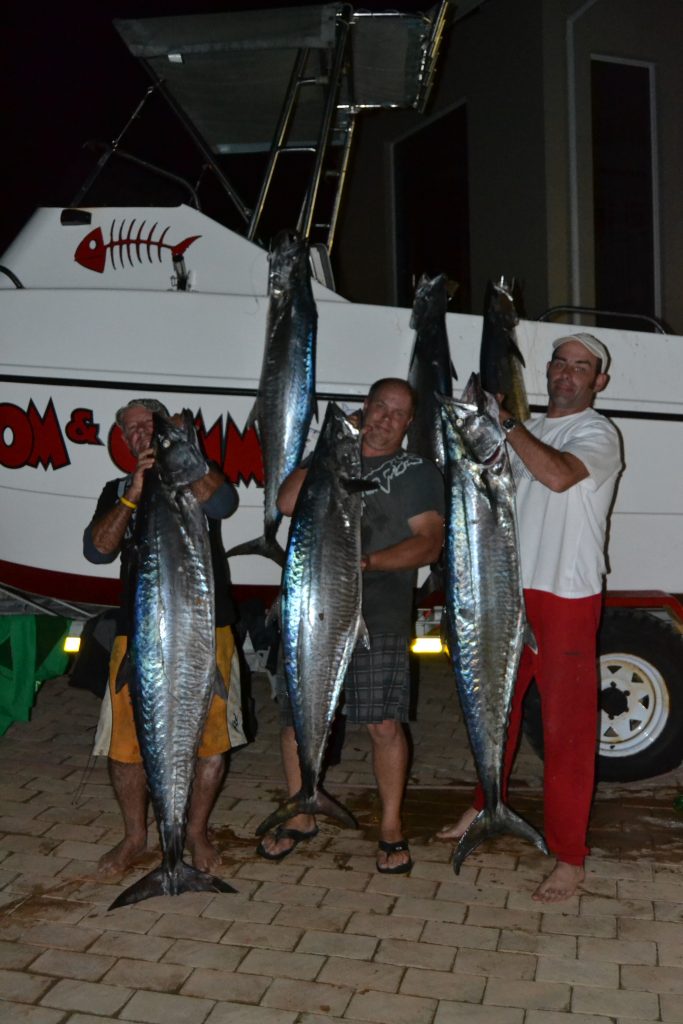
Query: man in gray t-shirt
[(402, 529), (408, 486)]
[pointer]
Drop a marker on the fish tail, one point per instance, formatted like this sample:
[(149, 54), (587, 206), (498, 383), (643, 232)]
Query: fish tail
[(179, 249), (317, 803), (323, 803), (492, 822), (162, 882), (266, 546)]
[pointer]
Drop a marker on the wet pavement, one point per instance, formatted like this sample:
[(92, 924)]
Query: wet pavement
[(321, 936)]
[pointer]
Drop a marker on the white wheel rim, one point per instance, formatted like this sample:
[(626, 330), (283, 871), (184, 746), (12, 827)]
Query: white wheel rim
[(647, 698)]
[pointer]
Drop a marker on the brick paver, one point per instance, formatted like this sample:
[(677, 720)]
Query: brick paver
[(321, 938)]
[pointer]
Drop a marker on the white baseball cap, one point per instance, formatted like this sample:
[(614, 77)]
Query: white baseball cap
[(590, 342)]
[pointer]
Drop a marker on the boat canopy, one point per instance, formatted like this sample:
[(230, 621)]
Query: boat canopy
[(228, 72), (272, 83)]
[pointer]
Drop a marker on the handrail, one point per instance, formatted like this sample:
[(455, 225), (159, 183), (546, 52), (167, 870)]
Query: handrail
[(657, 324)]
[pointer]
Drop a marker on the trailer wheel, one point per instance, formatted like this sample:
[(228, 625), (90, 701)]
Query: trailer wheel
[(640, 727)]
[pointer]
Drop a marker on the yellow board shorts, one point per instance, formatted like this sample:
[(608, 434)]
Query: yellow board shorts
[(116, 736)]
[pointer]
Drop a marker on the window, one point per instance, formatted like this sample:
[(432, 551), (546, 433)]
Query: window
[(432, 207), (624, 229)]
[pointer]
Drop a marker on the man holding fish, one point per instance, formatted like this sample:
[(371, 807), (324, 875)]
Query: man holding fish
[(566, 464), (401, 529), (109, 534)]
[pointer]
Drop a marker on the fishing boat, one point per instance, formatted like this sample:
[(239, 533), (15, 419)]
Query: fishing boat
[(105, 299)]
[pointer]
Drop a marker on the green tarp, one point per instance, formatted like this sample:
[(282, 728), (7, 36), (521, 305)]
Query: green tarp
[(30, 652)]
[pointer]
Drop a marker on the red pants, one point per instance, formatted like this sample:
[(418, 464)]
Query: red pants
[(565, 670)]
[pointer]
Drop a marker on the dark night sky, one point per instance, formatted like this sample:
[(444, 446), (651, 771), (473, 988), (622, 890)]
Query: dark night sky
[(68, 78)]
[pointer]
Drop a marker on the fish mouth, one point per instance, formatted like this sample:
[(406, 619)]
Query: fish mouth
[(492, 459)]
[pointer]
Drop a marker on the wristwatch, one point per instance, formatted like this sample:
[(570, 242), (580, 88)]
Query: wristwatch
[(509, 424)]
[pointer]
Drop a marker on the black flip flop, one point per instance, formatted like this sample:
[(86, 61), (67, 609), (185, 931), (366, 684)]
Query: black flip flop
[(397, 847), (286, 833)]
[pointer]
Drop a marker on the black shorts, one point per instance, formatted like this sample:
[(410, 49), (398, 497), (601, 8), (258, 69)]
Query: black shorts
[(377, 683)]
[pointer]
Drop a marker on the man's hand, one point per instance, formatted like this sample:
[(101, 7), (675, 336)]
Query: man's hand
[(503, 414), (145, 460)]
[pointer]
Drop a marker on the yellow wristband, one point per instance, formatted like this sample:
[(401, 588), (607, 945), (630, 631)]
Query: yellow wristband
[(128, 504)]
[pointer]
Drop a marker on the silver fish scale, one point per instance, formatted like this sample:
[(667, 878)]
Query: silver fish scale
[(174, 645), (287, 385), (486, 593), (430, 372), (322, 591), (485, 601), (484, 590)]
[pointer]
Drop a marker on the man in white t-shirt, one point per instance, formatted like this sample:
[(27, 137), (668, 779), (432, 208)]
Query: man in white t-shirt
[(566, 464)]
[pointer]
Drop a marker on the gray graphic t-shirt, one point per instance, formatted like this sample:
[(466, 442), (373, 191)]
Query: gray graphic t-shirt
[(408, 486)]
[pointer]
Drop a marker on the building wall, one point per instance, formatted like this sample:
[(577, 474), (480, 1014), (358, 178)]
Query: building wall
[(530, 152), (622, 30)]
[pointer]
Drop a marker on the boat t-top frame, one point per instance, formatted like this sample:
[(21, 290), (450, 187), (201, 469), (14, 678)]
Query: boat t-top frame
[(278, 82)]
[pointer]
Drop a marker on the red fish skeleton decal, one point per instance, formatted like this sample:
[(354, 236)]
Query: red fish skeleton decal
[(92, 251)]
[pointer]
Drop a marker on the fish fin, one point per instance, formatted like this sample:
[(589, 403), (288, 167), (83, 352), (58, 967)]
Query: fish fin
[(516, 351), (353, 486), (320, 803), (162, 882), (253, 415), (370, 485), (273, 613), (126, 675), (453, 373), (268, 547), (530, 638), (219, 685), (445, 633), (488, 823), (362, 635)]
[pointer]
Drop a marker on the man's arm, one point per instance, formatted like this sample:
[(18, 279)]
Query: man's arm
[(218, 497), (103, 537), (423, 548), (289, 490), (556, 470), (106, 533)]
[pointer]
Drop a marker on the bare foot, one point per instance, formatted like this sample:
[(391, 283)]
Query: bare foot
[(122, 856), (561, 883), (205, 856), (452, 833), (275, 845)]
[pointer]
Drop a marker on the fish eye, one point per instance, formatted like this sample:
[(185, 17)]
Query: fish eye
[(165, 442), (459, 422)]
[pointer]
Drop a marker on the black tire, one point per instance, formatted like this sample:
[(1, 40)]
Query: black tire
[(640, 729)]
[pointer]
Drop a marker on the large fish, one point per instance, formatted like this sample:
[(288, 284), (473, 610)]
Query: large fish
[(171, 663), (431, 371), (320, 605), (286, 396), (501, 360), (486, 621)]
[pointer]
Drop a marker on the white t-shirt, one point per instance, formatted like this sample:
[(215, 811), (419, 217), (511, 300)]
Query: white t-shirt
[(562, 536)]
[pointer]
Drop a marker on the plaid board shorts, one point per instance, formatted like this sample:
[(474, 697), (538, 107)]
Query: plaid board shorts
[(376, 687)]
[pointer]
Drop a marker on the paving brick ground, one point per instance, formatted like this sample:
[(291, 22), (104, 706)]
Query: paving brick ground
[(322, 937)]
